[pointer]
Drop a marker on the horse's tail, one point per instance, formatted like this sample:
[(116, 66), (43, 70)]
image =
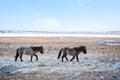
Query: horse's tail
[(17, 54), (59, 54)]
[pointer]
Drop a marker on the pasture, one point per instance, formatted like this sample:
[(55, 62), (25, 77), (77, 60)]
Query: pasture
[(102, 61)]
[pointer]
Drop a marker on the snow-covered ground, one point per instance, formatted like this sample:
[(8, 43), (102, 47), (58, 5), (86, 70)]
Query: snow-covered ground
[(10, 67), (108, 42)]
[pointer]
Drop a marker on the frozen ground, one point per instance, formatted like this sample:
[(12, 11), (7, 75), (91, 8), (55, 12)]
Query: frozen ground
[(108, 42), (72, 69), (102, 61)]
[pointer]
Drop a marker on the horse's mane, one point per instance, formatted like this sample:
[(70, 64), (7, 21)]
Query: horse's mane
[(78, 48), (36, 48)]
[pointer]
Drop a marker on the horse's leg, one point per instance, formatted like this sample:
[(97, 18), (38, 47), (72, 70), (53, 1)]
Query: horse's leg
[(36, 57), (66, 58), (21, 58), (17, 55), (72, 58), (77, 58), (63, 58), (31, 58)]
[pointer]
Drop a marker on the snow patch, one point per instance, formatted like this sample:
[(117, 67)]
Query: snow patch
[(108, 42), (89, 64)]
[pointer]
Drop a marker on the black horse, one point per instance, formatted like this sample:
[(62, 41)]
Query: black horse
[(28, 51), (72, 51)]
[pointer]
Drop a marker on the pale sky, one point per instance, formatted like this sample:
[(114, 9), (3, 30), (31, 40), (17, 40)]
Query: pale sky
[(60, 15)]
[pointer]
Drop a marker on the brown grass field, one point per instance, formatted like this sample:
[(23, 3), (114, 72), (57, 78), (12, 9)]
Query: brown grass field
[(102, 61)]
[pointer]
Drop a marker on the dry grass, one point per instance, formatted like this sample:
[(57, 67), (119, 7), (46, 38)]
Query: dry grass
[(52, 45)]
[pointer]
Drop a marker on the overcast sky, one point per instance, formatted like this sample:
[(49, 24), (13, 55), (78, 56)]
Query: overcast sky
[(60, 15)]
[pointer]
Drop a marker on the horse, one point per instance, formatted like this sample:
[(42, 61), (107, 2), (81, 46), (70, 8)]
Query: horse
[(71, 51), (28, 51)]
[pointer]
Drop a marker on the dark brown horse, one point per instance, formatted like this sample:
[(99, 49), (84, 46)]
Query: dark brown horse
[(28, 51), (72, 51)]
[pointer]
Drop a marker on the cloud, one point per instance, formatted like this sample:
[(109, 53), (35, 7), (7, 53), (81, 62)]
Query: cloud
[(80, 2), (46, 23), (101, 27), (50, 22)]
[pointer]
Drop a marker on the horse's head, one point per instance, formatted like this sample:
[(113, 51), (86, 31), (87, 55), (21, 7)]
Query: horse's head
[(82, 49), (41, 49)]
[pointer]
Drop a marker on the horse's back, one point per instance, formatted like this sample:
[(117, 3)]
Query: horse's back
[(26, 50), (69, 51)]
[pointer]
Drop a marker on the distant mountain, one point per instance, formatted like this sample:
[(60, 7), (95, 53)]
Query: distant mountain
[(59, 32), (114, 32)]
